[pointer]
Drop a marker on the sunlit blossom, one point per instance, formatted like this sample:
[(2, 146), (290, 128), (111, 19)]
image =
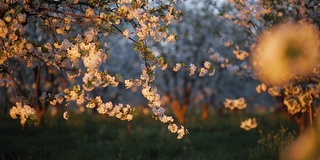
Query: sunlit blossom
[(241, 55), (66, 115), (171, 38), (249, 124), (261, 88), (293, 105), (235, 103), (203, 71), (207, 65), (305, 99), (89, 12), (126, 33), (274, 91), (181, 132), (91, 105), (23, 111), (3, 29), (128, 83), (164, 67), (173, 128)]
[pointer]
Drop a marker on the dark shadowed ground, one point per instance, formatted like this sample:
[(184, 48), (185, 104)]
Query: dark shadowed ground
[(91, 136)]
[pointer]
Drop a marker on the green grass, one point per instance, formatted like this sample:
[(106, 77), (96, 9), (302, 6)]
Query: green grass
[(90, 136)]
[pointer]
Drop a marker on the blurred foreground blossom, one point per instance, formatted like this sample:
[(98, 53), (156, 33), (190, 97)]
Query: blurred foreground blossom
[(25, 112), (286, 50), (249, 124), (306, 147)]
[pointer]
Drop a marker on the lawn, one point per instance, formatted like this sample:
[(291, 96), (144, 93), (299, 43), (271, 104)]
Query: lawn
[(92, 136)]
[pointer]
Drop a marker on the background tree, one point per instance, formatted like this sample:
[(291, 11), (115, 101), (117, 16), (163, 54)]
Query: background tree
[(258, 17)]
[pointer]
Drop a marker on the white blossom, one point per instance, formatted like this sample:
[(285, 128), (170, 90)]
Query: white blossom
[(192, 69), (22, 111), (177, 67)]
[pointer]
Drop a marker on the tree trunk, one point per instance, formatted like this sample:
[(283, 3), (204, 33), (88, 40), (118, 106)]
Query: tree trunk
[(179, 111), (40, 111), (205, 111), (300, 120), (219, 110), (128, 129)]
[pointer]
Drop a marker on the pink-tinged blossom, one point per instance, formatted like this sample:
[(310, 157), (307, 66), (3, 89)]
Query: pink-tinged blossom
[(207, 65), (203, 71), (192, 69)]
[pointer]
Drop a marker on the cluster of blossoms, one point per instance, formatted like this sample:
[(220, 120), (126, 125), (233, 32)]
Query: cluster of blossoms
[(261, 88), (285, 55), (151, 94), (174, 129), (297, 99), (13, 45), (119, 111), (249, 124), (24, 112), (225, 63), (240, 54), (52, 98), (192, 68), (76, 94), (149, 25), (235, 103), (274, 91), (241, 104)]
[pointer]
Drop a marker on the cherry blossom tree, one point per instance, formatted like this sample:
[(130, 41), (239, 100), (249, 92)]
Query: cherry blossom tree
[(57, 53), (76, 48)]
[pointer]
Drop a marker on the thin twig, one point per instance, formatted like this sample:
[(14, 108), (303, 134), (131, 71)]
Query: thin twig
[(311, 114)]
